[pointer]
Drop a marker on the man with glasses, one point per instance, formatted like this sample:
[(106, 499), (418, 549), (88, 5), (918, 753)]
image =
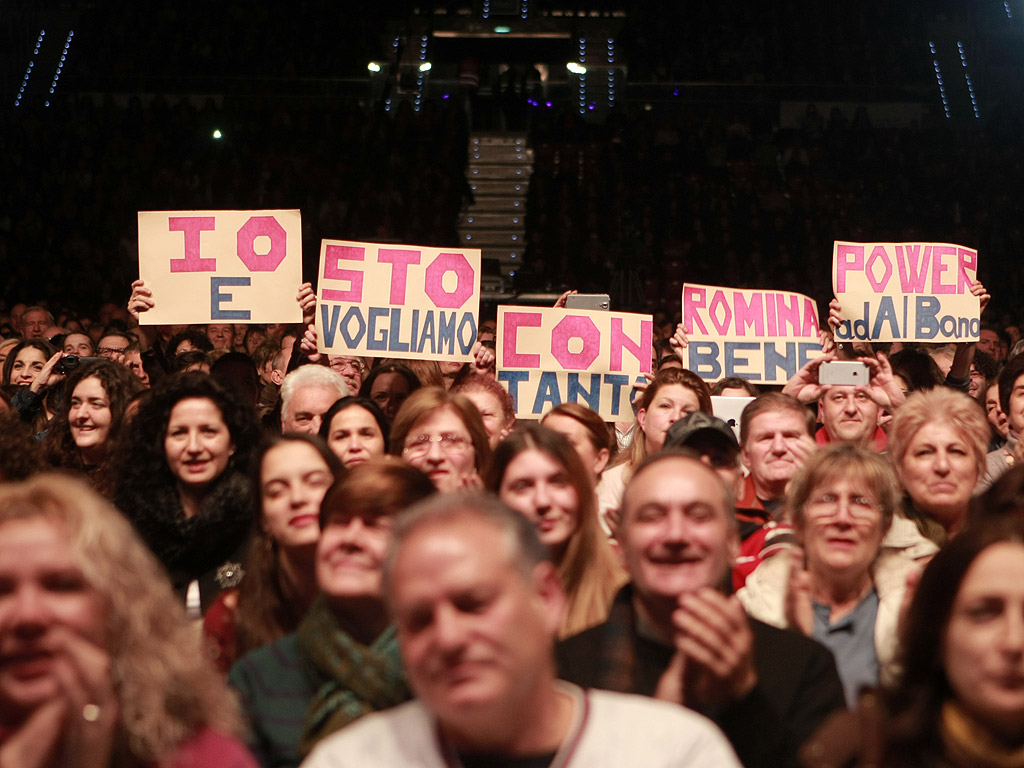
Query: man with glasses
[(352, 369)]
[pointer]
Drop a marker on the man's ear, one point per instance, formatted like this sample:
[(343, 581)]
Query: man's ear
[(277, 376)]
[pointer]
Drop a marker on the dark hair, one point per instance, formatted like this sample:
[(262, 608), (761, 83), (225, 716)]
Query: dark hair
[(20, 455), (143, 460), (119, 384), (196, 338), (402, 370), (382, 485), (353, 401), (985, 364), (916, 701), (917, 368), (193, 357), (43, 346), (1012, 371), (237, 372), (268, 607), (735, 382)]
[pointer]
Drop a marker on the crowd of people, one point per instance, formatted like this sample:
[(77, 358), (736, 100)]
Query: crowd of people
[(333, 560)]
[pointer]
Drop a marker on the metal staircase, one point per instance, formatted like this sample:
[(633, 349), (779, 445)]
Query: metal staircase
[(499, 175)]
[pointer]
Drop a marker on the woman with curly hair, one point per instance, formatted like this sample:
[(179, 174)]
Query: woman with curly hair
[(184, 482), (98, 664), (92, 416)]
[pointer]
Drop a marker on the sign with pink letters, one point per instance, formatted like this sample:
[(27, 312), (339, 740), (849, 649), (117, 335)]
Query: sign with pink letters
[(547, 357), (906, 291), (227, 266), (762, 336), (405, 301)]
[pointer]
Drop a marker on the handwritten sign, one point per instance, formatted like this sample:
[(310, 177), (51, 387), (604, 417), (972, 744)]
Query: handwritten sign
[(757, 335), (547, 357), (233, 266), (402, 301), (906, 291)]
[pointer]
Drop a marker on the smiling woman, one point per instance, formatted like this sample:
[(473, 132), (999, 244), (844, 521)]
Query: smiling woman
[(183, 480), (92, 420)]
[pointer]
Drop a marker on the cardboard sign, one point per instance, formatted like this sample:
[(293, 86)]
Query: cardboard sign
[(757, 335), (227, 266), (402, 301), (547, 357), (906, 291)]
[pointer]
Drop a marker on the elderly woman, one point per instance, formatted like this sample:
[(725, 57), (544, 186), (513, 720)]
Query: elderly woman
[(937, 444), (537, 472), (98, 665), (674, 393), (494, 403), (342, 662), (960, 698), (184, 482), (841, 505), (444, 436)]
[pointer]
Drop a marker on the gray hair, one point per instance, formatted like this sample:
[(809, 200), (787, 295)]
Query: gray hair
[(312, 376), (523, 547)]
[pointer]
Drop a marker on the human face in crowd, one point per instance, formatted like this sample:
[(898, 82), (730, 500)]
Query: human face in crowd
[(350, 556), (994, 411), (35, 322), (112, 347), (939, 472), (306, 408), (17, 315), (253, 340), (1015, 415), (48, 613), (593, 458), (841, 528), (540, 488), (198, 443), (6, 345), (354, 436), (848, 415), (983, 653), (27, 365), (977, 381), (351, 369), (676, 534), (239, 336), (440, 446), (89, 417), (492, 413), (475, 632), (133, 361), (221, 335), (293, 480), (776, 446), (389, 391), (989, 341), (78, 344), (671, 403)]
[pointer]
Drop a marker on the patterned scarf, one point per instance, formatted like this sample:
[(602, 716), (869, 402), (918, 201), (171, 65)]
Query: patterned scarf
[(351, 679)]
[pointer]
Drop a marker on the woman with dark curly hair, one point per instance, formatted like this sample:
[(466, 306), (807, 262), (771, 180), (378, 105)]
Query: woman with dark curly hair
[(92, 415), (184, 482)]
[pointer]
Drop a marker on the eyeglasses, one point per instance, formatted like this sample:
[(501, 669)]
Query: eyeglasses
[(111, 350), (862, 509), (340, 364), (450, 443)]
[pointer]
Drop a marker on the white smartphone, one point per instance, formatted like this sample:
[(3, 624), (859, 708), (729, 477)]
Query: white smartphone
[(588, 301), (848, 372)]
